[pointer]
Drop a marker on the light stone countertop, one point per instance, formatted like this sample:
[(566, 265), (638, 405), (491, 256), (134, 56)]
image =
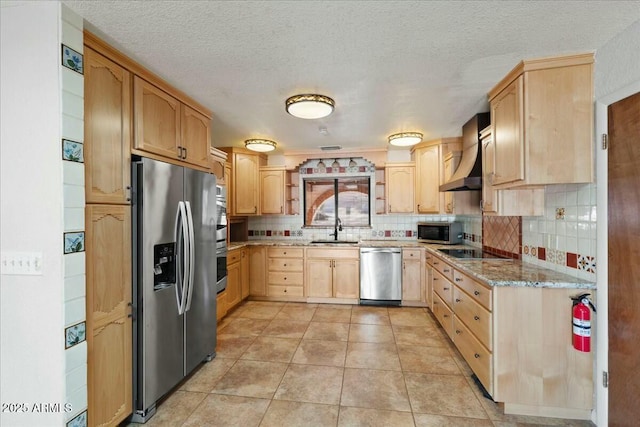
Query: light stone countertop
[(492, 272)]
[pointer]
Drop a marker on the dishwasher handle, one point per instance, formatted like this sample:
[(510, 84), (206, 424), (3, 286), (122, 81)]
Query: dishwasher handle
[(380, 250)]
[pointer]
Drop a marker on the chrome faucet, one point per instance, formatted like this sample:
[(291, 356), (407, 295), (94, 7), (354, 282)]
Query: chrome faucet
[(337, 227)]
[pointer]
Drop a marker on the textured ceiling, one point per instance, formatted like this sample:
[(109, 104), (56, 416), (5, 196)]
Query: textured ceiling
[(391, 66)]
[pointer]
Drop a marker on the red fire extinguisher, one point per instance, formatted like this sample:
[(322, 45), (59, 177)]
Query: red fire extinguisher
[(582, 322)]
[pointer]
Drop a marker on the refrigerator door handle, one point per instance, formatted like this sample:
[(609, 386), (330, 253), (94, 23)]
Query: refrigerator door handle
[(191, 243), (181, 233)]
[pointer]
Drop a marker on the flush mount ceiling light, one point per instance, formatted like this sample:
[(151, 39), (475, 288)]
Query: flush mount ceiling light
[(405, 139), (309, 106), (262, 145)]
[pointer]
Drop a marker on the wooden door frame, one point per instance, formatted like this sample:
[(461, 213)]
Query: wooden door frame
[(602, 242)]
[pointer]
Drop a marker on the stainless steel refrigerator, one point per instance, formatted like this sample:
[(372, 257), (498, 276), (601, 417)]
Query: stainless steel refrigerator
[(174, 277)]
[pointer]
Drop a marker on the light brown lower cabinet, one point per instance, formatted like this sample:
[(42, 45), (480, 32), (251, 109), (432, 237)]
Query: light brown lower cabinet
[(257, 271), (413, 285), (517, 340), (332, 274), (285, 272), (109, 325)]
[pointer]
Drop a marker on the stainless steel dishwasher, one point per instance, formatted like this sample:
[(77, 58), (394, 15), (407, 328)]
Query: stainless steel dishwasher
[(380, 276)]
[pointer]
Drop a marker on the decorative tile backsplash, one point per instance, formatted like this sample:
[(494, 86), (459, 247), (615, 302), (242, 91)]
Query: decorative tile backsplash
[(502, 235)]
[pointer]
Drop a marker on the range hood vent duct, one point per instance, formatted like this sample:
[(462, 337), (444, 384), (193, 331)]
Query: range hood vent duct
[(468, 175)]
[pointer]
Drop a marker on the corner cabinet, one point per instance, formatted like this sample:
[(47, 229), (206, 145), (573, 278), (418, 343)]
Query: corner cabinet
[(245, 180), (400, 182), (542, 122), (429, 162)]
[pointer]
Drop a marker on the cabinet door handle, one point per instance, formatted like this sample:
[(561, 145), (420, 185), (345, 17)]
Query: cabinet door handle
[(128, 192), (476, 318), (255, 209), (445, 289), (477, 356), (184, 151), (458, 279), (284, 265), (458, 332), (435, 263), (435, 278), (445, 315), (389, 208), (281, 209), (446, 270), (476, 293), (458, 300), (180, 152)]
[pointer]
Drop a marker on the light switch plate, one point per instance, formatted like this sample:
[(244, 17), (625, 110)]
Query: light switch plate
[(21, 263)]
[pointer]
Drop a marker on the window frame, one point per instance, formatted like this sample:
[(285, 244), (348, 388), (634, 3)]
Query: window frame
[(336, 181)]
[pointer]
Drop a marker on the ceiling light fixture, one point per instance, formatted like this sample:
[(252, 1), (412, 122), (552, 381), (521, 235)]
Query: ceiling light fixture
[(335, 164), (309, 106), (321, 167), (262, 145), (352, 163), (405, 139)]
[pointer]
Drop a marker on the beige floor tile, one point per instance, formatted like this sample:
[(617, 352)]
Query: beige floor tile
[(429, 360), (370, 317), (373, 418), (226, 411), (417, 335), (370, 333), (252, 379), (232, 346), (443, 395), (375, 389), (176, 409), (271, 349), (284, 414), (286, 328), (329, 314), (208, 375), (260, 311), (312, 384), (327, 331), (337, 306), (428, 420), (409, 317), (372, 356), (244, 326), (318, 352), (295, 312)]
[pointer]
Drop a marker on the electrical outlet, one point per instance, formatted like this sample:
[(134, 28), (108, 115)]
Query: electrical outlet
[(21, 263)]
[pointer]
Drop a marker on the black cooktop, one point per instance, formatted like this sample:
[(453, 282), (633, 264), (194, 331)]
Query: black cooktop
[(467, 253)]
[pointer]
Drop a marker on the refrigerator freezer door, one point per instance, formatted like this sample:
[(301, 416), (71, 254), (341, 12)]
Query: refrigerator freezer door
[(200, 193), (159, 327)]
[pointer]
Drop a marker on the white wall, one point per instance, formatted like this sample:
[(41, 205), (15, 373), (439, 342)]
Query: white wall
[(617, 75), (31, 213)]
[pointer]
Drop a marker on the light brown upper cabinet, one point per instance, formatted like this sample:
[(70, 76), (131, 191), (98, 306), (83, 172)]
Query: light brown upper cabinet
[(400, 182), (243, 193), (542, 121), (429, 160), (107, 130), (168, 128), (272, 190)]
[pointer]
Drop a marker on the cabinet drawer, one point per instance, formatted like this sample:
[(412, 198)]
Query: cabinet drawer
[(444, 315), (279, 291), (479, 292), (333, 253), (477, 356), (234, 256), (285, 278), (285, 252), (443, 287), (443, 267), (474, 316), (408, 254), (285, 264)]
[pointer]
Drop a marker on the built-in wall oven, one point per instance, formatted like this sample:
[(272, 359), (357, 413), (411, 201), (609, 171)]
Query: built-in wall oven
[(221, 237)]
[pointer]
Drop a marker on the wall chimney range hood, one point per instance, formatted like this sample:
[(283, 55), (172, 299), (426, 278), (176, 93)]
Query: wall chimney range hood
[(468, 175)]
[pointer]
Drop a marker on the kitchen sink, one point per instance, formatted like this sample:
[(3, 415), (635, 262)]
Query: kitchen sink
[(332, 242)]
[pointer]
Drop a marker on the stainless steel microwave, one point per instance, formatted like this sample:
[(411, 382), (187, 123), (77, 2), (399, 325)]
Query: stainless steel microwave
[(445, 233)]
